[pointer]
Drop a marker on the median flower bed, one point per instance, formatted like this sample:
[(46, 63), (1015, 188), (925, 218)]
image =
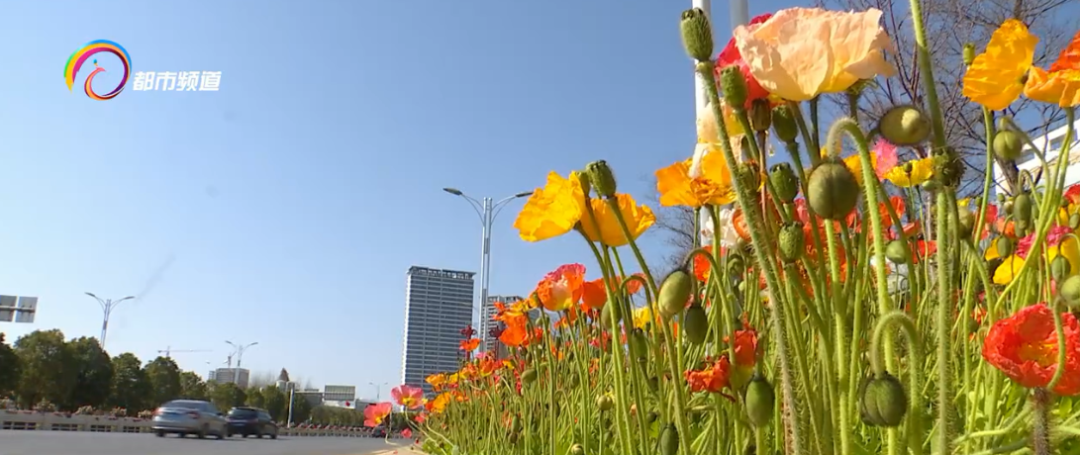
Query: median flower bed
[(850, 300)]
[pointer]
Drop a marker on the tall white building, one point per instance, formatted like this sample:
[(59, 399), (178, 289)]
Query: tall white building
[(238, 376), (438, 305), (1052, 144), (487, 323)]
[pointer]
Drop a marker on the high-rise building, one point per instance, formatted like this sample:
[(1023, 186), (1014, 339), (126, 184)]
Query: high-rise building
[(238, 376), (438, 305), (487, 324), (339, 393)]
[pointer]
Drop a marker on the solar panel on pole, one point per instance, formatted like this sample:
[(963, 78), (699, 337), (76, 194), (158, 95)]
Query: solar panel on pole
[(7, 308), (27, 310)]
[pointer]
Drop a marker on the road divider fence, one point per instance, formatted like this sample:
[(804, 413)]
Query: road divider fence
[(58, 421)]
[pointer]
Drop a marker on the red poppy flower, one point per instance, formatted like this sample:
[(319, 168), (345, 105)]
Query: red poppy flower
[(1024, 347), (712, 378), (731, 56)]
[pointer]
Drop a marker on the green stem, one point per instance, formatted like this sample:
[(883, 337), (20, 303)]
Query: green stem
[(763, 250), (915, 405), (944, 287), (926, 67), (1040, 427)]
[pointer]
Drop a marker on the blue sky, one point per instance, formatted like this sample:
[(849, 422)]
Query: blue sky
[(287, 207)]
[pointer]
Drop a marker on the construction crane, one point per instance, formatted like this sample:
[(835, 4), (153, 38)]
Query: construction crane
[(169, 350)]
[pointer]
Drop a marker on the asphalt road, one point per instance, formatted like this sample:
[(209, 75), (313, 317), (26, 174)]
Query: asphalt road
[(85, 443)]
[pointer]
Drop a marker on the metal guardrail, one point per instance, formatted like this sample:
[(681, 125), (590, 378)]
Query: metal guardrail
[(37, 421)]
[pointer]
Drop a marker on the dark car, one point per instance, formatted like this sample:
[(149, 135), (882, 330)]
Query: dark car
[(251, 422), (378, 432)]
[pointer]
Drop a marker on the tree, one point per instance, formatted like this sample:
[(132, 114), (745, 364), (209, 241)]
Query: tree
[(254, 397), (227, 396), (47, 371), (164, 377), (93, 374), (9, 369), (276, 402), (301, 409), (950, 24), (131, 387), (192, 386)]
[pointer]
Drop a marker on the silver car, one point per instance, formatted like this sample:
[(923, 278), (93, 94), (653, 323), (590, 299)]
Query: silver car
[(185, 417)]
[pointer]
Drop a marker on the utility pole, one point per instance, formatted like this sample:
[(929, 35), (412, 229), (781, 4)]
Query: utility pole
[(292, 390), (487, 211), (107, 307)]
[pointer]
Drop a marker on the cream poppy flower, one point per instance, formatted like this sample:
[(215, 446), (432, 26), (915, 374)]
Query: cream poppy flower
[(800, 53)]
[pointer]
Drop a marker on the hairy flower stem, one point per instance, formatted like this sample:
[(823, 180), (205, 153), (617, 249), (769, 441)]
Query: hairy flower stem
[(944, 341), (915, 405), (1040, 426), (682, 424), (763, 250), (851, 128), (926, 67)]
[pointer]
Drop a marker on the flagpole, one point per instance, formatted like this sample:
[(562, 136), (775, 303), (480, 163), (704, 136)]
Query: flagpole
[(738, 14)]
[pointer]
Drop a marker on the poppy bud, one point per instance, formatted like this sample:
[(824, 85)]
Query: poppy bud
[(832, 190), (948, 168), (638, 343), (1022, 209), (1074, 221), (760, 399), (654, 384), (669, 440), (582, 178), (904, 125), (760, 115), (577, 449), (966, 223), (612, 309), (931, 185), (736, 265), (883, 401), (969, 54), (734, 87), (1069, 290), (651, 416), (897, 251), (605, 402), (791, 241), (697, 35), (784, 124), (695, 323), (1060, 268), (1008, 145), (750, 175), (528, 376), (784, 181), (674, 293), (601, 177)]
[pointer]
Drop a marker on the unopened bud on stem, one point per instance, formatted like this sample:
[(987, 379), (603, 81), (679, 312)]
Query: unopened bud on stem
[(784, 125), (760, 115), (603, 180), (734, 87), (697, 34)]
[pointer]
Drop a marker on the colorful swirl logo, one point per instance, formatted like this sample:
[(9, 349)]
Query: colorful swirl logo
[(75, 62)]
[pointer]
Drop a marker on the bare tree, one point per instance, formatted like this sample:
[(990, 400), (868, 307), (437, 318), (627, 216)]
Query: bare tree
[(676, 226), (950, 25)]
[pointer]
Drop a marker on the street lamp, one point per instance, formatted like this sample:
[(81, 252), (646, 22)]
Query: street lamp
[(107, 307), (378, 390), (487, 212), (240, 348)]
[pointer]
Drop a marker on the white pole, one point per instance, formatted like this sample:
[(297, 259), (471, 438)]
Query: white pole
[(739, 15), (291, 390)]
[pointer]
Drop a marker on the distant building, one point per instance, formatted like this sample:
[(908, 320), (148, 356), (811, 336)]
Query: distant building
[(284, 384), (314, 397), (238, 376), (1051, 145), (438, 305), (339, 393)]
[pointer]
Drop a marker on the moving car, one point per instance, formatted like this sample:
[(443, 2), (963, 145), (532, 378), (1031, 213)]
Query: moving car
[(247, 421), (184, 417)]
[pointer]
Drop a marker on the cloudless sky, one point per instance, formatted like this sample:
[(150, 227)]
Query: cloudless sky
[(287, 207)]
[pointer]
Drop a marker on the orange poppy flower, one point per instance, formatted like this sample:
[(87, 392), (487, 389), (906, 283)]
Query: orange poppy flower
[(1024, 347), (562, 288), (517, 330), (1060, 85), (470, 344), (713, 378)]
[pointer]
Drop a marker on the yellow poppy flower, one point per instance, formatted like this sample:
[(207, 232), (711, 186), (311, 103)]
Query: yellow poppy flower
[(1069, 249), (800, 53), (553, 210), (996, 77), (854, 164), (921, 171), (1008, 270), (642, 316), (638, 219), (1061, 84), (713, 186)]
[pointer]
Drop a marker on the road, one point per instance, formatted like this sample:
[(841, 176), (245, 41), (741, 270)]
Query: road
[(85, 443)]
